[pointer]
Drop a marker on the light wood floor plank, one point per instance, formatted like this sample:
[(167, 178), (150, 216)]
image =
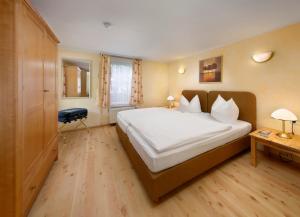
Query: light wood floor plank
[(93, 177)]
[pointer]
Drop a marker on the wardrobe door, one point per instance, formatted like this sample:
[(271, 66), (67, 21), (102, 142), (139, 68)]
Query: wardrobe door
[(50, 106), (33, 79)]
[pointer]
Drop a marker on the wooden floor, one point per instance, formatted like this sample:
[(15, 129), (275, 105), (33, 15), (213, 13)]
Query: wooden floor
[(93, 177)]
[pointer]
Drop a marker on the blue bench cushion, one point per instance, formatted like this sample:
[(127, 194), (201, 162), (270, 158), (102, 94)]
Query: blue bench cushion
[(73, 114)]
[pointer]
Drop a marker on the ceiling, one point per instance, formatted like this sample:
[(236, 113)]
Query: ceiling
[(84, 65), (162, 30)]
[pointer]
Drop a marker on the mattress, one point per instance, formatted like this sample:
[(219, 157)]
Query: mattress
[(157, 162), (166, 129)]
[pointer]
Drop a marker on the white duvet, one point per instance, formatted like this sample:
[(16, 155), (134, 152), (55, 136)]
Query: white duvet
[(165, 129)]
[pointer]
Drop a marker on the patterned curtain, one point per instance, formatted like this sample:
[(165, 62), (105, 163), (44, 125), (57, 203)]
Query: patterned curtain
[(105, 81), (137, 86)]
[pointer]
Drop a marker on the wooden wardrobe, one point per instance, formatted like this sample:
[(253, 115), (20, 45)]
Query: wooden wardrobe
[(28, 103)]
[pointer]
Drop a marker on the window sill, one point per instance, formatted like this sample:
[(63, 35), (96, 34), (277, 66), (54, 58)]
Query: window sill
[(122, 106)]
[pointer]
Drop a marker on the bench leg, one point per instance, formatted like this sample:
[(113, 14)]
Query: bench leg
[(81, 121)]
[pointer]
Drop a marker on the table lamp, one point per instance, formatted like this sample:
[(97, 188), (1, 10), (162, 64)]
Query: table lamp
[(284, 115), (170, 99)]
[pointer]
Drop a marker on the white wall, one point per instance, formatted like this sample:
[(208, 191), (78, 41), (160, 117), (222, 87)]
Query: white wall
[(94, 117), (155, 86), (155, 83), (275, 83)]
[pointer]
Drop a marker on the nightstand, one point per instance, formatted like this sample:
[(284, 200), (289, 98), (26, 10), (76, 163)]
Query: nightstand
[(291, 146), (172, 108)]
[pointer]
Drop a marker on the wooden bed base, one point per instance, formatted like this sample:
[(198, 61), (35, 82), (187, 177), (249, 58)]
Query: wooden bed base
[(159, 184)]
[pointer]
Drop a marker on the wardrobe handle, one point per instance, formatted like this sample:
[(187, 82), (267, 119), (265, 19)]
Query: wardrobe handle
[(45, 91)]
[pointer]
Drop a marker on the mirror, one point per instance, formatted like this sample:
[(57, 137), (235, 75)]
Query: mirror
[(76, 78)]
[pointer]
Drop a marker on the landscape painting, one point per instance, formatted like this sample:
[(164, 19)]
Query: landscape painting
[(210, 70)]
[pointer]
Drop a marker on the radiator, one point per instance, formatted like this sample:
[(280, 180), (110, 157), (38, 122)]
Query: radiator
[(114, 111)]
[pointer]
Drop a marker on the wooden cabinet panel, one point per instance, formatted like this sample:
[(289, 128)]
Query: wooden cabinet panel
[(36, 179), (33, 95), (8, 117), (50, 105), (30, 120)]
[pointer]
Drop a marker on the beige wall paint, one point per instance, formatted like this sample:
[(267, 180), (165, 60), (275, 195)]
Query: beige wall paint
[(94, 117), (275, 83), (155, 84)]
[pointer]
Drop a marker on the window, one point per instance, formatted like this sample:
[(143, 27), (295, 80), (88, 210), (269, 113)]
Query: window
[(120, 86)]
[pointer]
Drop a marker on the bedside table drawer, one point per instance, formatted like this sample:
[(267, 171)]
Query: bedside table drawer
[(263, 141), (291, 146)]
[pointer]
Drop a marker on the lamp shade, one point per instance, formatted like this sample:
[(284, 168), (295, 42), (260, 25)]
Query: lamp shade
[(284, 114), (170, 98), (262, 57)]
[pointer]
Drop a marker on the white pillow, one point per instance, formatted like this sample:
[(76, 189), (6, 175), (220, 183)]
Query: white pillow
[(219, 101), (193, 106), (225, 111), (183, 104)]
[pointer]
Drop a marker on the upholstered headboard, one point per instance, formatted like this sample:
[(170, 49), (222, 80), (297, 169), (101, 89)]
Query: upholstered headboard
[(189, 94), (246, 102)]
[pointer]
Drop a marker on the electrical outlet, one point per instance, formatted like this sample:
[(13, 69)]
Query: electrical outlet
[(285, 156)]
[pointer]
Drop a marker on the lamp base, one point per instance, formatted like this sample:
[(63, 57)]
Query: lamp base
[(284, 135), (170, 104)]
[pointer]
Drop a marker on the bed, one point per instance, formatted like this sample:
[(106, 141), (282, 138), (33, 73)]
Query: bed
[(161, 171)]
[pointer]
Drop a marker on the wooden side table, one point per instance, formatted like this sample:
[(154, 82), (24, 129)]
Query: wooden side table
[(291, 146)]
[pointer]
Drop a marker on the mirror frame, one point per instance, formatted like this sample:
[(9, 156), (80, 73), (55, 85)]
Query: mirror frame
[(90, 62)]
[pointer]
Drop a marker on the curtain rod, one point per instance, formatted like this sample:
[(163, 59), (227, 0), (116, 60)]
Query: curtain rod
[(123, 57)]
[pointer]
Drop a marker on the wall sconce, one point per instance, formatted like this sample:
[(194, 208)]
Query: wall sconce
[(181, 70), (262, 57)]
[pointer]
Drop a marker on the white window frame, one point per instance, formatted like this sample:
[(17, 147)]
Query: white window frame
[(118, 60)]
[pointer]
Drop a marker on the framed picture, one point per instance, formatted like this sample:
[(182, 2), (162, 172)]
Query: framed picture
[(210, 70)]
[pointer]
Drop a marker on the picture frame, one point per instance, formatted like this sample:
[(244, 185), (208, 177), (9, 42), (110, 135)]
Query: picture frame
[(210, 70)]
